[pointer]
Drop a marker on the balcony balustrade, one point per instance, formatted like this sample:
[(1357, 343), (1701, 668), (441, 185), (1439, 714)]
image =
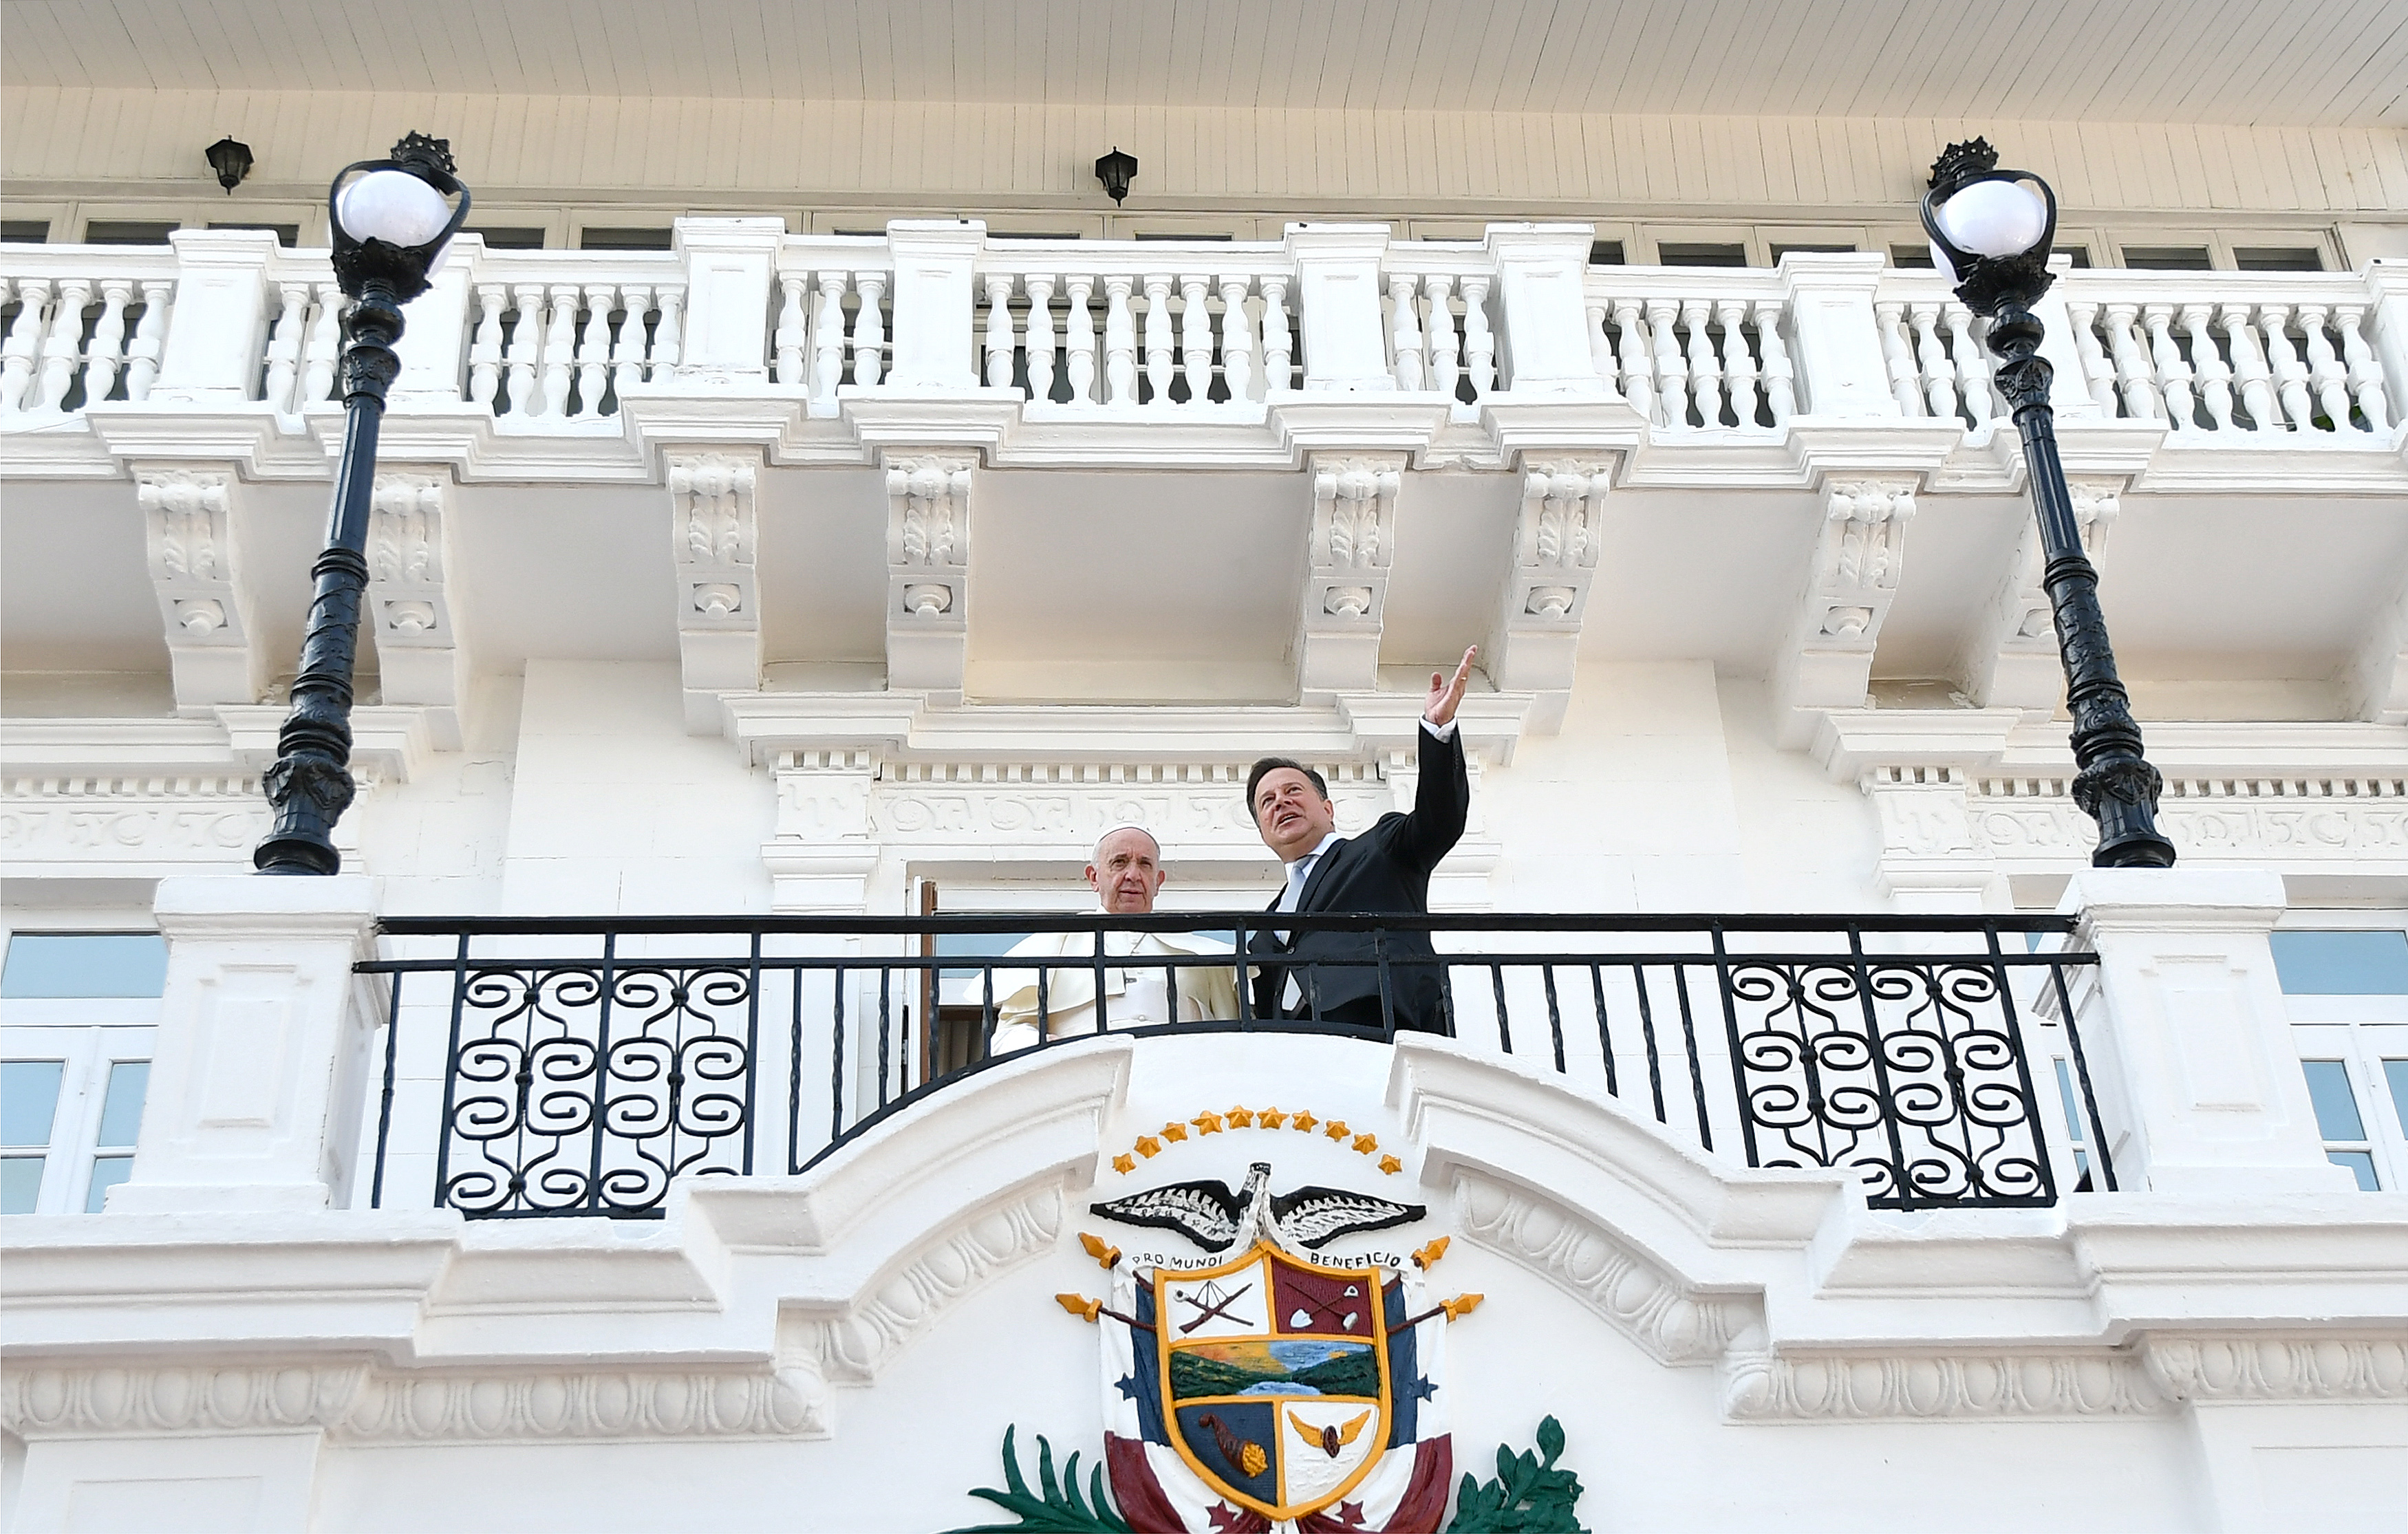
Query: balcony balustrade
[(1207, 331)]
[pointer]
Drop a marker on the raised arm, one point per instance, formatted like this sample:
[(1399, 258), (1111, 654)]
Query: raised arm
[(1442, 798)]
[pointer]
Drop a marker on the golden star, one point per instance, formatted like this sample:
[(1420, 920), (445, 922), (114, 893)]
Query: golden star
[(1366, 1144), (1391, 1165), (1206, 1121), (1271, 1118), (1124, 1163), (1242, 1118), (1336, 1129), (1303, 1123), (1174, 1131), (1148, 1146)]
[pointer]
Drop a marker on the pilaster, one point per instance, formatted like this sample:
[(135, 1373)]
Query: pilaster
[(1825, 660), (1351, 544), (1539, 268), (711, 532), (823, 854), (1338, 304), (1837, 345), (729, 265), (2374, 681), (933, 260), (420, 658), (927, 567), (1534, 642), (219, 325), (189, 518)]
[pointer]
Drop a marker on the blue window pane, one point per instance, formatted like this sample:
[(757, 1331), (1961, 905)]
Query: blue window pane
[(2072, 1115), (106, 1172), (121, 1111), (29, 1099), (20, 1184), (85, 964), (2360, 1162), (2342, 964), (2395, 1072), (2336, 1104)]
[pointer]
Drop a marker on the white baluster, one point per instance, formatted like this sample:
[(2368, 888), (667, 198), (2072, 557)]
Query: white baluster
[(2330, 378), (661, 365), (1236, 340), (1638, 365), (1279, 352), (1779, 377), (559, 350), (1039, 289), (627, 340), (1705, 369), (1404, 332), (793, 327), (2249, 365), (526, 348), (1479, 342), (1445, 348), (1002, 333), (1739, 364), (2098, 373), (1600, 345), (2214, 375), (594, 347), (284, 346), (1080, 344), (1195, 338), (1120, 341), (24, 342), (101, 359), (1932, 360), (485, 349), (1672, 372), (1973, 378), (2173, 374), (827, 338), (324, 353), (1889, 318), (149, 332), (2134, 373), (2290, 373), (2365, 368), (1159, 366), (63, 347), (870, 330)]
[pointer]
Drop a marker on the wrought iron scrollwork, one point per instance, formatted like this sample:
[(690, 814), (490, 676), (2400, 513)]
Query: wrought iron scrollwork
[(585, 1090)]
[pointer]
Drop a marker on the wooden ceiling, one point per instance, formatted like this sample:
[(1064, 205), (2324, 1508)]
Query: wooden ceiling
[(2249, 62)]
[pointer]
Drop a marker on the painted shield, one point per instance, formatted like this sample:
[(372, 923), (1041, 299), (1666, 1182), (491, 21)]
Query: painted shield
[(1274, 1377)]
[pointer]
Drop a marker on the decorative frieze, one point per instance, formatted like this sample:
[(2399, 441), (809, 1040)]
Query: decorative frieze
[(711, 532), (188, 517), (420, 658), (1762, 1386), (927, 564), (1825, 661), (1348, 552), (2022, 819), (2012, 660), (1534, 643), (200, 822), (2197, 1370)]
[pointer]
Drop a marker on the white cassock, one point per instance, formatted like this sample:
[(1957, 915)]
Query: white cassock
[(1135, 994)]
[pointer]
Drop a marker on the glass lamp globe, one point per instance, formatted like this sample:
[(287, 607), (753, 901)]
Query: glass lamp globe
[(394, 207), (1994, 219)]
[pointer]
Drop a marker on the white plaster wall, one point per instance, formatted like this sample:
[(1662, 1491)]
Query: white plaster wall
[(615, 808), (437, 840)]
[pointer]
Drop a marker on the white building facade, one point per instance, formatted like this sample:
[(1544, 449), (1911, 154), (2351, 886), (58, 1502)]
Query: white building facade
[(811, 511)]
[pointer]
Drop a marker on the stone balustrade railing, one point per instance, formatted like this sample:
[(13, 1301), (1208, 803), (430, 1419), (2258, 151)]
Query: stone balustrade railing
[(550, 341)]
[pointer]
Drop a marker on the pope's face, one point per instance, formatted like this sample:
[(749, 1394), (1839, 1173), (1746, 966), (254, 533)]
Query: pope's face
[(1291, 813), (1126, 872)]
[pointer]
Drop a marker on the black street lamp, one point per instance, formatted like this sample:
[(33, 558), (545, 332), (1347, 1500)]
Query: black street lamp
[(389, 225), (1991, 231)]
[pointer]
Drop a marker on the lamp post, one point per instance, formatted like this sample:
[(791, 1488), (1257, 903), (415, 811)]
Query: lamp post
[(1991, 231), (390, 225)]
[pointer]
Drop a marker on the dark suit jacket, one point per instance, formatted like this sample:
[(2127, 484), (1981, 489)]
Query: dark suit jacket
[(1386, 869)]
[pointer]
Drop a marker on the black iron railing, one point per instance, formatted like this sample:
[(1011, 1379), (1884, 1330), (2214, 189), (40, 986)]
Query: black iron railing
[(565, 1066)]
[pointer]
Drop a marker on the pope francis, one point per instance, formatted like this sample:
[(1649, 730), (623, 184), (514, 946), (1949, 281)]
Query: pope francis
[(1125, 874)]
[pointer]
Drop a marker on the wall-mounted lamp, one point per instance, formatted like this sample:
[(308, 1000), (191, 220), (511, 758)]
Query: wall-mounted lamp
[(230, 160), (1116, 170)]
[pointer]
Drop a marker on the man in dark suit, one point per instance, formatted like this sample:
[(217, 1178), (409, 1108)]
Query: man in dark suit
[(1386, 870)]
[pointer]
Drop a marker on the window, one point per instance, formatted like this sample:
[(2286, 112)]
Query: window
[(1686, 254), (70, 1113), (1911, 257), (2287, 258), (2338, 1120), (1073, 233), (515, 238), (2342, 963), (24, 231), (2346, 988), (51, 965), (624, 239), (1780, 251), (127, 232), (29, 1109), (2079, 253), (2167, 258), (287, 235), (1605, 252)]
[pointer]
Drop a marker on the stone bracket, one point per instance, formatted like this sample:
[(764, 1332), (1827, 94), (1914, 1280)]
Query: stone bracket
[(1826, 659), (2375, 681), (927, 569), (2012, 660), (189, 516), (1534, 642), (712, 536), (1349, 548), (420, 657)]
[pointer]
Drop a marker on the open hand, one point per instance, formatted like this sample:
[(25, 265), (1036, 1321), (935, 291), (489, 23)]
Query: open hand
[(1444, 695)]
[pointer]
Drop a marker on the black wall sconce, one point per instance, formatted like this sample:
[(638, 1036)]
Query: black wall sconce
[(230, 160), (1116, 170)]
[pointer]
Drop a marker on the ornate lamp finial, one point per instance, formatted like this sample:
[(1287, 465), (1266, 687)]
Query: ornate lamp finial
[(1958, 162), (416, 152)]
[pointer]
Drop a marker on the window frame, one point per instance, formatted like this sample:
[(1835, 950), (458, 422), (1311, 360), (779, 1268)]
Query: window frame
[(89, 1050)]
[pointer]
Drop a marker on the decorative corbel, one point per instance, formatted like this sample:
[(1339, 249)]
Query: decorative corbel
[(1534, 643), (2013, 662), (208, 610), (1351, 544), (420, 657), (927, 569), (2375, 681), (1826, 657), (711, 532)]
